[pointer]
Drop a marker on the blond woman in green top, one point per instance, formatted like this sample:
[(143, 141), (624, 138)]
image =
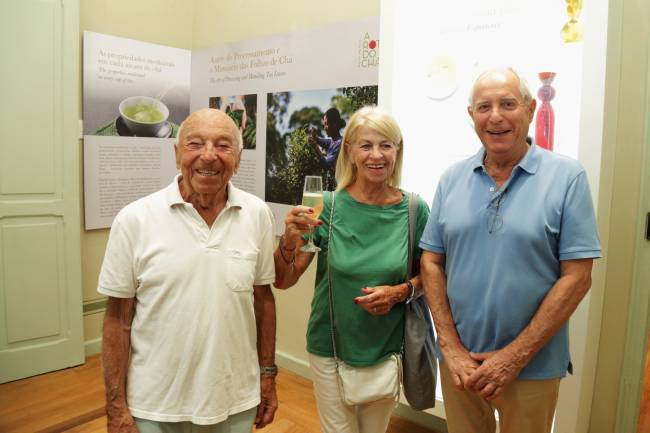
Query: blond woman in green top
[(367, 266)]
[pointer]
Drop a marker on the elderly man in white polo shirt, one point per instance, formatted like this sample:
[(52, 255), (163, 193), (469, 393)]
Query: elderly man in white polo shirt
[(189, 331)]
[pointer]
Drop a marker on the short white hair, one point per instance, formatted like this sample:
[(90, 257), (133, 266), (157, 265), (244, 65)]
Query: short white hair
[(523, 85)]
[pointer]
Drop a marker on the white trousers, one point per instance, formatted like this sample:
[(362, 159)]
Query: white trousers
[(337, 417)]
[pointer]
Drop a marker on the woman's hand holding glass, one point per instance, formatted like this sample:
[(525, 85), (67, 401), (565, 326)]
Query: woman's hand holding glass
[(312, 197), (297, 223)]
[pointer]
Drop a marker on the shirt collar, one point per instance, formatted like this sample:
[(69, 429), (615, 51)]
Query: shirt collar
[(531, 160), (173, 195), (477, 159), (529, 163)]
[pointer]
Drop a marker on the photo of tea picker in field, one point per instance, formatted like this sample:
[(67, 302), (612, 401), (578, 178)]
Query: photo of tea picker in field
[(242, 109), (303, 137), (139, 115), (329, 146)]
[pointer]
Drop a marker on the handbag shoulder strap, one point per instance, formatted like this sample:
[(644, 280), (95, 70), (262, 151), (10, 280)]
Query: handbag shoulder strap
[(329, 277), (412, 222)]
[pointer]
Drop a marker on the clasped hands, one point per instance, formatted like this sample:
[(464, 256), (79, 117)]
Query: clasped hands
[(486, 374)]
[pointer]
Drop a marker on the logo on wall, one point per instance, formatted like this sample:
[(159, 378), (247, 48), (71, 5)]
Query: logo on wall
[(368, 52)]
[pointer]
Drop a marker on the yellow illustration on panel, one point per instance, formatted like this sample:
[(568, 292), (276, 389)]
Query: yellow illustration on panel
[(572, 31)]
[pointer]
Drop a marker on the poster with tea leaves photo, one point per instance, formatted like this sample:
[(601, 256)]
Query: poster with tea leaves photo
[(242, 109)]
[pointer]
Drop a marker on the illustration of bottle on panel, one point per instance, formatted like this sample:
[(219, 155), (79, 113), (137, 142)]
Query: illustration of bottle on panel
[(545, 124)]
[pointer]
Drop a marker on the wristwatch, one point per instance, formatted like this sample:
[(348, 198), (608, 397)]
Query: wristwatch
[(269, 370)]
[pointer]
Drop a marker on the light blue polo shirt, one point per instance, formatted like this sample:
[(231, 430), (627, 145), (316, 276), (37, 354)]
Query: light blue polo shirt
[(503, 248)]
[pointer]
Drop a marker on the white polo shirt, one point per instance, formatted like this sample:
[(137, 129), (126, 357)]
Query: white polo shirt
[(193, 338)]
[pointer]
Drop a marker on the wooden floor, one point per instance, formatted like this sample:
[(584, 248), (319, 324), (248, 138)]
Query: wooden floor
[(72, 400)]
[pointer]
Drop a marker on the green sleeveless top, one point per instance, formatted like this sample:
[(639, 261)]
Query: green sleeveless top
[(369, 248)]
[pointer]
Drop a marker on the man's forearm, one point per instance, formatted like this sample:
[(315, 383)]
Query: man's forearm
[(554, 311), (116, 347), (432, 275), (265, 320)]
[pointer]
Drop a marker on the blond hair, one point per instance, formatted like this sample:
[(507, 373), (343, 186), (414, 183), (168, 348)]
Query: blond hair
[(379, 121)]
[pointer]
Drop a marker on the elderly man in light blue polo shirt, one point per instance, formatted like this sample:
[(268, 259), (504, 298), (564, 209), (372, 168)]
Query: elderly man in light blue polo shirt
[(508, 252)]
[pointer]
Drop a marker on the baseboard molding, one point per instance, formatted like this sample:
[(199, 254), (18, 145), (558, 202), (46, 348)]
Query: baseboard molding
[(93, 347), (293, 364), (301, 367), (76, 421), (424, 419)]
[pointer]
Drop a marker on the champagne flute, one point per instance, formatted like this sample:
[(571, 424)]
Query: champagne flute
[(312, 196)]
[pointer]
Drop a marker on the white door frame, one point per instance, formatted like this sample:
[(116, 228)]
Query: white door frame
[(638, 324)]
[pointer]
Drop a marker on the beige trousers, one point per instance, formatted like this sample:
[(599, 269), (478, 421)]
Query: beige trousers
[(525, 406), (335, 416)]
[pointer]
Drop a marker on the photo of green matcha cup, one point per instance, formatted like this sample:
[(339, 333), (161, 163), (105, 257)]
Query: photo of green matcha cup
[(144, 116)]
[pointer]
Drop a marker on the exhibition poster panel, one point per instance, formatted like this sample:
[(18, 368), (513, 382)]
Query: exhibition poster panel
[(277, 90)]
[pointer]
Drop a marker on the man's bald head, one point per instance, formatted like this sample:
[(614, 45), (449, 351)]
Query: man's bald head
[(526, 96), (210, 116)]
